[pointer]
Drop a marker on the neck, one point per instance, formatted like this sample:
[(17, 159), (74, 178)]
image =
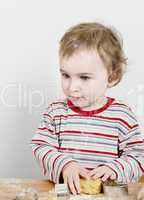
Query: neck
[(101, 101)]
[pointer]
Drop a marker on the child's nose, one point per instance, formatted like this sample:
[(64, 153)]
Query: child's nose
[(74, 86)]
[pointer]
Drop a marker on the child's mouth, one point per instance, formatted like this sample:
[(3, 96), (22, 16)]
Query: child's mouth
[(75, 98)]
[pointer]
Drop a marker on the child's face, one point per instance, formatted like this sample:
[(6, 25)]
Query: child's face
[(84, 78)]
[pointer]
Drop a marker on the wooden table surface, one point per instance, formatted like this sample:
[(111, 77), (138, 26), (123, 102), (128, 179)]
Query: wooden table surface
[(9, 187)]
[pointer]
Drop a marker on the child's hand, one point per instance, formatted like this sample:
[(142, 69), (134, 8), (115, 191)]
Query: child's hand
[(102, 172), (71, 173)]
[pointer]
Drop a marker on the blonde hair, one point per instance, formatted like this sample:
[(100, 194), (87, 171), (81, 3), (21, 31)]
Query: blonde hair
[(95, 36)]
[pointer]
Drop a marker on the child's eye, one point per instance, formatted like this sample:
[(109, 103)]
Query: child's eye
[(84, 77), (65, 75)]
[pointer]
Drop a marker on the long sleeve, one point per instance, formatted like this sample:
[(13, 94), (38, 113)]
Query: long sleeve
[(45, 147), (130, 164)]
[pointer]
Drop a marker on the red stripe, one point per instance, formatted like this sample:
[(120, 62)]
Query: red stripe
[(120, 164), (36, 149), (36, 140), (43, 141), (135, 142), (44, 128), (46, 114), (101, 117), (89, 133), (61, 102), (137, 162), (53, 168), (58, 102), (43, 160), (89, 151), (120, 104), (92, 112), (55, 161), (118, 119), (42, 134), (130, 163)]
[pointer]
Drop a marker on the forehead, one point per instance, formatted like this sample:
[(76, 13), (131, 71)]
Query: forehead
[(83, 61)]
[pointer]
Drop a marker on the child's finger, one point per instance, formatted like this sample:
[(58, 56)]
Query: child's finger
[(92, 172), (65, 180), (71, 185), (84, 174), (113, 176), (98, 174), (105, 177), (84, 170), (77, 183)]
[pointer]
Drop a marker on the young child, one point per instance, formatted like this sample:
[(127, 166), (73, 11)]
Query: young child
[(88, 134)]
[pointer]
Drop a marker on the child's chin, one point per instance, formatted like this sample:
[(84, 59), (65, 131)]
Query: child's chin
[(81, 105)]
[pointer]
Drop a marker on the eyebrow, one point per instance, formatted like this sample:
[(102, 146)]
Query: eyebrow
[(84, 73)]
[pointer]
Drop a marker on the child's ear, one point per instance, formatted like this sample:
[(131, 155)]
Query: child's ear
[(112, 79), (110, 84)]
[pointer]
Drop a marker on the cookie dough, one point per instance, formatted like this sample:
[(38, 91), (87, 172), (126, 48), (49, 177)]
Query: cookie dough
[(90, 186)]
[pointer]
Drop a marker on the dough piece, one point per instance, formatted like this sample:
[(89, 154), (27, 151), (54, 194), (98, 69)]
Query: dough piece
[(90, 186)]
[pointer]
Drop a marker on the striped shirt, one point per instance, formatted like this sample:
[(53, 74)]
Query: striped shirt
[(107, 136)]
